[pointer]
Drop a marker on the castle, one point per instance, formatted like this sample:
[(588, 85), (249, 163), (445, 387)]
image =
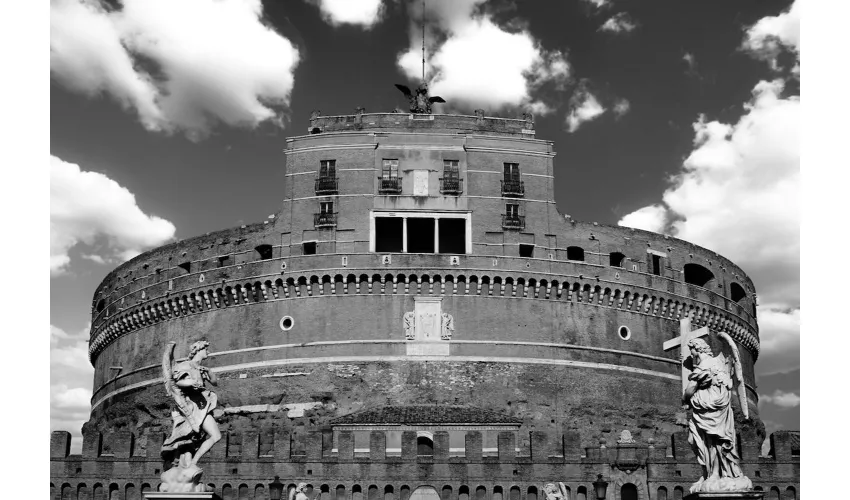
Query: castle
[(418, 319)]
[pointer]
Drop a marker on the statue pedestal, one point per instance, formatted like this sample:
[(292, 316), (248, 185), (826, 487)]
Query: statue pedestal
[(725, 495), (165, 495)]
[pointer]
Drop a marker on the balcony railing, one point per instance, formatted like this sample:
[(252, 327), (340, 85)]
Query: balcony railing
[(513, 188), (513, 221), (451, 185), (389, 185), (324, 219), (327, 185)]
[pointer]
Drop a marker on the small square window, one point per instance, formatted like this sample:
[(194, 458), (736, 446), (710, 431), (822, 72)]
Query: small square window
[(526, 250), (309, 247)]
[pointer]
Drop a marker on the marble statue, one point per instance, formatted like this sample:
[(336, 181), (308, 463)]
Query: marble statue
[(194, 429), (420, 102), (711, 426), (555, 492), (409, 328), (299, 492), (447, 326)]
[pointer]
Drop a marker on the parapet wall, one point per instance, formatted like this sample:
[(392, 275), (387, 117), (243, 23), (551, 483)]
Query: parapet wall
[(478, 124)]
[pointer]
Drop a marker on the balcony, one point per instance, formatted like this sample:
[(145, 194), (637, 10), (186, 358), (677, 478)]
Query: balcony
[(389, 185), (324, 220), (513, 221), (451, 185), (327, 186), (513, 188)]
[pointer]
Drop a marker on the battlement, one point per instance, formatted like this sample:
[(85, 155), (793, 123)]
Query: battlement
[(409, 122)]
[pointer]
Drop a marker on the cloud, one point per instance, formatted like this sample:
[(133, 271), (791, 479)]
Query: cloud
[(363, 13), (584, 107), (179, 65), (738, 194), (619, 23), (782, 399), (85, 206), (621, 107), (772, 35), (70, 382), (598, 3), (474, 63)]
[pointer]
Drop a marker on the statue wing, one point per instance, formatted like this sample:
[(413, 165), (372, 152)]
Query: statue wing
[(563, 488), (737, 373), (404, 90), (292, 493), (436, 98), (167, 364)]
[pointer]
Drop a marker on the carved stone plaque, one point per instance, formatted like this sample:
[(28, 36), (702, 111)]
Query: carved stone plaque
[(420, 183), (427, 338)]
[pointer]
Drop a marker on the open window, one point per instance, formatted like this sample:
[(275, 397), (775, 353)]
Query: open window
[(424, 446), (615, 259), (575, 253), (308, 248), (698, 275), (737, 292), (389, 233), (422, 233), (186, 267), (526, 250), (655, 264), (264, 252), (452, 235)]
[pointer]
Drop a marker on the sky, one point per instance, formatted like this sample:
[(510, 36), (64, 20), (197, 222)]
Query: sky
[(168, 119)]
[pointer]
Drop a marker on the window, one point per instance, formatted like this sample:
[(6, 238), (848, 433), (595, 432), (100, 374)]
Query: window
[(389, 233), (326, 207), (327, 168), (656, 264), (697, 275), (186, 267), (575, 253), (326, 217), (738, 292), (420, 233), (512, 210), (526, 250), (389, 169), (452, 235), (450, 182), (424, 446), (512, 219), (615, 259), (450, 168), (309, 248), (511, 171)]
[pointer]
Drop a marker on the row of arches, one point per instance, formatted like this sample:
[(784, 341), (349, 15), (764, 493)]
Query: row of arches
[(633, 300), (100, 491)]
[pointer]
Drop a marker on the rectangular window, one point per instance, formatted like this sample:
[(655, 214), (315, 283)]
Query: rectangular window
[(526, 250), (511, 171), (389, 233), (326, 207), (327, 168), (656, 265), (512, 210), (420, 235), (451, 169), (389, 169), (309, 247), (452, 235)]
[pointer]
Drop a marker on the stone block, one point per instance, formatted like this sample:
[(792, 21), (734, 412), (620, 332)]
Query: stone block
[(474, 445), (92, 444), (282, 444), (60, 444), (408, 445), (250, 444), (572, 446), (345, 446), (682, 451), (122, 444), (153, 447), (377, 445), (314, 446), (507, 446), (539, 446), (327, 442), (782, 444), (441, 445)]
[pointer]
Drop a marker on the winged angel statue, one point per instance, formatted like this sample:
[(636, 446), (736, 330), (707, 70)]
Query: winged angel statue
[(194, 430), (419, 103), (711, 427)]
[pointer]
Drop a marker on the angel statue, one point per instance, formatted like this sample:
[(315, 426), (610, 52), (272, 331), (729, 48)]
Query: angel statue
[(419, 103), (299, 493), (556, 492), (711, 427), (195, 431)]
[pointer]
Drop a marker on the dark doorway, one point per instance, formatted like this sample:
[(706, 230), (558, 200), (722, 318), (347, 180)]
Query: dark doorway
[(420, 235), (388, 234), (656, 265), (452, 235), (629, 492)]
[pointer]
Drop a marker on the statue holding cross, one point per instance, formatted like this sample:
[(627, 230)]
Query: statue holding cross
[(707, 383)]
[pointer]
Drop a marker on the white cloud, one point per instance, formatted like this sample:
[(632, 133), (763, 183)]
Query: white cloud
[(621, 107), (780, 398), (770, 35), (85, 206), (478, 64), (179, 65), (584, 107), (598, 3), (70, 381), (365, 13), (619, 23), (738, 194)]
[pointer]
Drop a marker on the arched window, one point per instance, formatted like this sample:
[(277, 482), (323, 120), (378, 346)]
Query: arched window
[(678, 493), (446, 493), (264, 252), (131, 493), (388, 492), (356, 492), (325, 492), (790, 493), (97, 492), (114, 492), (615, 259), (532, 493), (424, 446), (629, 492), (497, 493), (581, 493), (463, 493), (67, 491), (340, 492), (661, 494), (260, 491), (373, 492), (227, 492), (697, 275), (575, 253), (481, 493), (185, 266), (100, 305), (773, 494), (737, 291)]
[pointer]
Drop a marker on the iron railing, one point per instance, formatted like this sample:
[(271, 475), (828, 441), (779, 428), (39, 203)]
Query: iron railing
[(324, 219), (327, 185), (513, 188), (451, 185), (513, 221), (389, 185)]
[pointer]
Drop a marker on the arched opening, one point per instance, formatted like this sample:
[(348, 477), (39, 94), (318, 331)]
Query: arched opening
[(340, 492), (532, 493), (425, 493), (227, 492), (264, 252), (446, 493), (83, 492), (481, 493), (678, 493), (97, 492), (185, 266), (404, 492), (131, 493), (66, 493), (737, 292), (388, 492), (581, 493), (356, 492), (790, 493), (697, 275), (575, 253), (114, 492), (514, 493), (373, 492), (661, 494), (629, 492), (100, 305), (773, 494), (424, 446), (463, 493), (615, 259), (325, 492), (260, 491), (497, 493)]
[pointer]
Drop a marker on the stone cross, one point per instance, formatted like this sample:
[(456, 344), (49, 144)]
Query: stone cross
[(685, 334)]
